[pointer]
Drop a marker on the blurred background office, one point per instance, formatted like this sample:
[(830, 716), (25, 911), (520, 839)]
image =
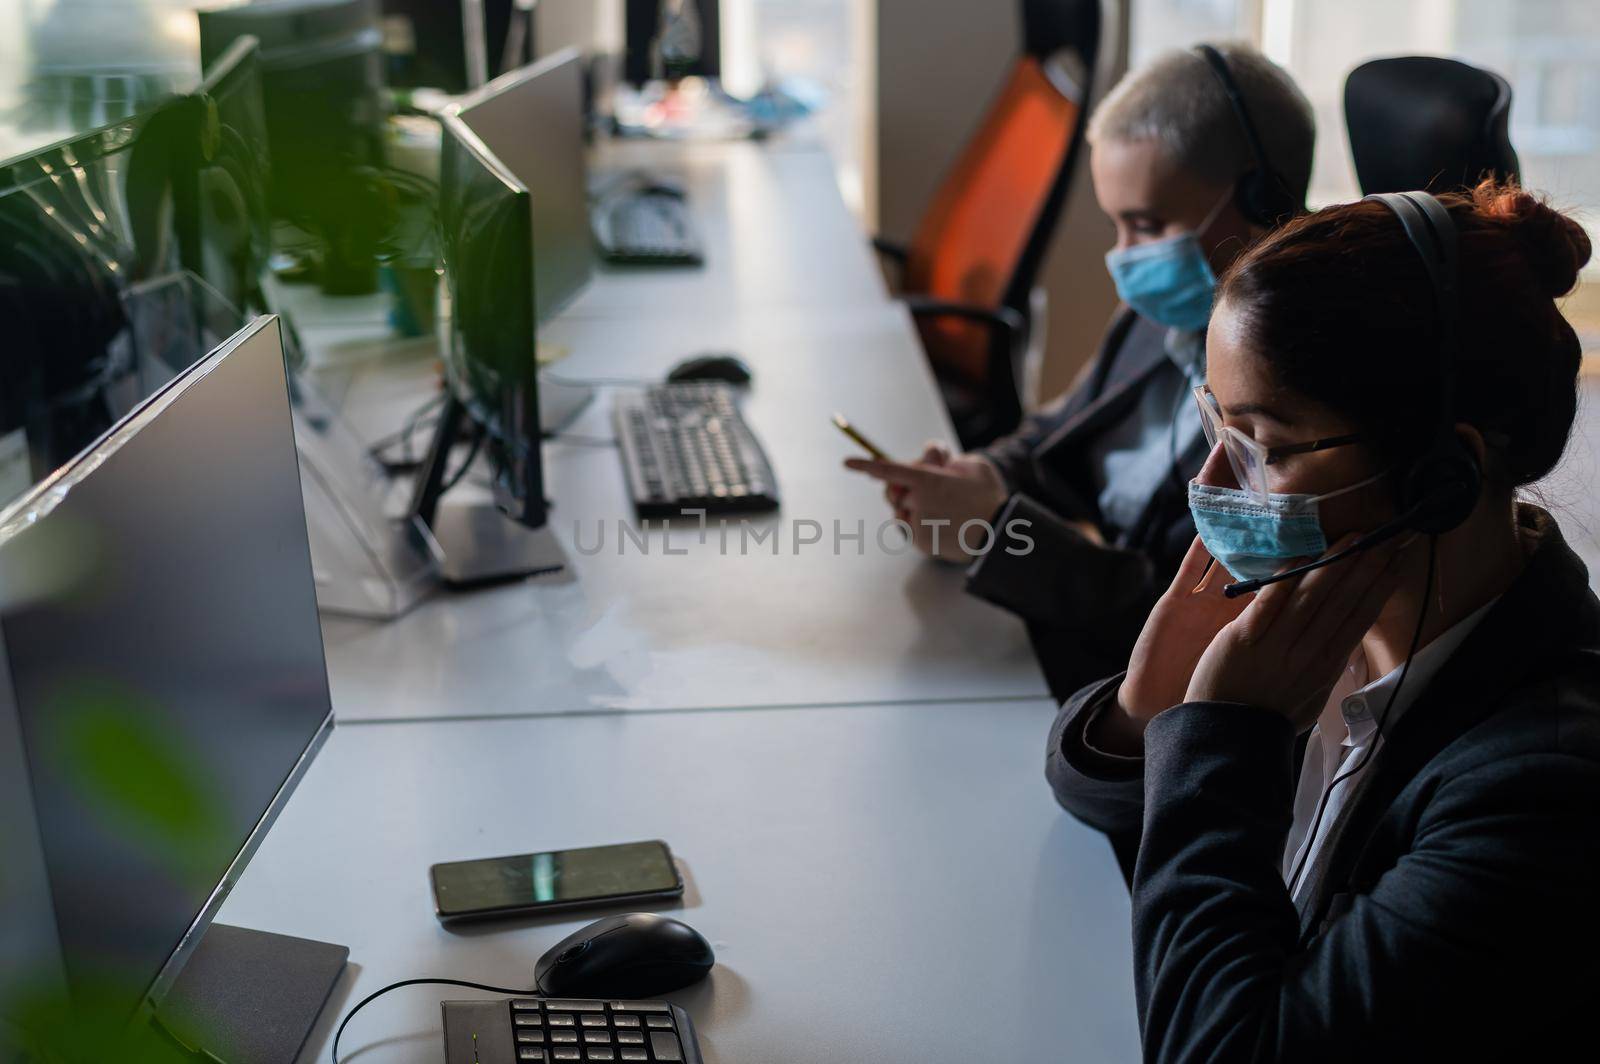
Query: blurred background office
[(902, 83)]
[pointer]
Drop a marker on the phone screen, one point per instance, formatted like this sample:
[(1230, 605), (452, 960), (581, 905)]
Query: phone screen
[(564, 877)]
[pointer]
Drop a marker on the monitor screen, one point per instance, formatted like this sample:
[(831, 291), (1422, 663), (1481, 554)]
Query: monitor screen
[(163, 668), (225, 222), (673, 39), (486, 224), (87, 253), (532, 120)]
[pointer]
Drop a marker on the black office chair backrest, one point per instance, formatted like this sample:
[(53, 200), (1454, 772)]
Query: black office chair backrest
[(1422, 122)]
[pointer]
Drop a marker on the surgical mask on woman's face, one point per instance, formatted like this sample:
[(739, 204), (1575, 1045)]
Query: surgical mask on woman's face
[(1253, 540), (1168, 281)]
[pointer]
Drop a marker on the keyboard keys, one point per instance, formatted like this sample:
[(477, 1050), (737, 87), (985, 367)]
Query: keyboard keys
[(549, 1031), (686, 447), (664, 1045)]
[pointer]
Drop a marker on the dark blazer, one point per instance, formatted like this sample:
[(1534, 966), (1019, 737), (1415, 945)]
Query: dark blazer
[(1085, 604), (1457, 916)]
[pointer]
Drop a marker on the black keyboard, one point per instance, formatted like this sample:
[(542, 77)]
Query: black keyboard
[(686, 447), (549, 1030), (647, 229)]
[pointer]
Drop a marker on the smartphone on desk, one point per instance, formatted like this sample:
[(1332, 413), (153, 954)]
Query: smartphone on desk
[(560, 879)]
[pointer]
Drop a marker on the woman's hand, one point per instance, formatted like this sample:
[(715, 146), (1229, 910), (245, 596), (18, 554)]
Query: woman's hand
[(1288, 647), (1175, 636), (938, 494)]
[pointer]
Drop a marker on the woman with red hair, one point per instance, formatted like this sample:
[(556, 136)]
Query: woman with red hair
[(1364, 796)]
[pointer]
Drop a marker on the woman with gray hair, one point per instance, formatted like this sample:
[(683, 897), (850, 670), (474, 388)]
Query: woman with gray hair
[(1194, 157)]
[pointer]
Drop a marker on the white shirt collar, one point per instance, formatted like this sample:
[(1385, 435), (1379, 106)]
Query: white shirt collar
[(1362, 707), (1186, 349)]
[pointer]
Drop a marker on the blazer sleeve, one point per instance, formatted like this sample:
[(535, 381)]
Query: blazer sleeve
[(1102, 790), (1044, 570), (1013, 455), (1469, 922)]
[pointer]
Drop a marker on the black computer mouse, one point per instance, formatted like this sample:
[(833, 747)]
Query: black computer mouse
[(729, 368), (639, 955)]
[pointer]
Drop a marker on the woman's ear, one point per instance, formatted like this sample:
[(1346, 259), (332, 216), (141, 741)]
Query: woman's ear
[(1469, 435)]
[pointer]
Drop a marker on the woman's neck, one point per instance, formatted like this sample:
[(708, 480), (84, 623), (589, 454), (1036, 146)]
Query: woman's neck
[(1474, 564)]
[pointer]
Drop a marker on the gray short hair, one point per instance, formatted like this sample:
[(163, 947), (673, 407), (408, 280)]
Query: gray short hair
[(1176, 100)]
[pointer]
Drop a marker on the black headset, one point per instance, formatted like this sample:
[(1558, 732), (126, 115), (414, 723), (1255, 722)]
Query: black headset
[(1440, 487), (1261, 194)]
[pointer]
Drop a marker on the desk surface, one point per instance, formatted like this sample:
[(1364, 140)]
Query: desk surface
[(887, 884), (720, 625)]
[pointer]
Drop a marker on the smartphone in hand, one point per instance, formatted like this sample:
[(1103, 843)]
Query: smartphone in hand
[(844, 426)]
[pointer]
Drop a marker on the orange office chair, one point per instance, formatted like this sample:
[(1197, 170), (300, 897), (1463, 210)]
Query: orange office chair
[(969, 271)]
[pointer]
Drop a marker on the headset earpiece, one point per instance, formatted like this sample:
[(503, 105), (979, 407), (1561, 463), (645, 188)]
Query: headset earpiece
[(1261, 195), (1440, 489)]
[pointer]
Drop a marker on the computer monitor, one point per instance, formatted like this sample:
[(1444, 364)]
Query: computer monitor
[(162, 684), (492, 393), (224, 217), (532, 121), (322, 76), (83, 224), (427, 42), (662, 45)]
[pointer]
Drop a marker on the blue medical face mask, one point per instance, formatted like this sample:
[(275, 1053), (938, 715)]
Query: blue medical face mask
[(1254, 540), (1168, 281)]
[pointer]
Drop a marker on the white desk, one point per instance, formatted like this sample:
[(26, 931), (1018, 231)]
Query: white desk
[(707, 628), (887, 884), (775, 229)]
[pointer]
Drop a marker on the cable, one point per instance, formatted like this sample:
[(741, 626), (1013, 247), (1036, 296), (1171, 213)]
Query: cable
[(1322, 803), (417, 419), (370, 998), (472, 455)]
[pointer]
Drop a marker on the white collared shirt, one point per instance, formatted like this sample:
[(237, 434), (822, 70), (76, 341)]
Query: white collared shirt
[(1360, 703)]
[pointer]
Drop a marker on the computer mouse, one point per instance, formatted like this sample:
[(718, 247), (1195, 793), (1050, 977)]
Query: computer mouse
[(729, 368), (658, 185), (639, 955)]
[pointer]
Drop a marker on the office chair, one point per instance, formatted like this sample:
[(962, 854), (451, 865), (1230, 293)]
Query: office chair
[(969, 271), (1421, 122)]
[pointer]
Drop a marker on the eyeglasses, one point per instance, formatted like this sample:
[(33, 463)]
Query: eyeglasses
[(1248, 458)]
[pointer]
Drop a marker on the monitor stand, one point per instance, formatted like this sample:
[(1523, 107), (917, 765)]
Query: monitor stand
[(477, 544), (474, 543), (249, 997)]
